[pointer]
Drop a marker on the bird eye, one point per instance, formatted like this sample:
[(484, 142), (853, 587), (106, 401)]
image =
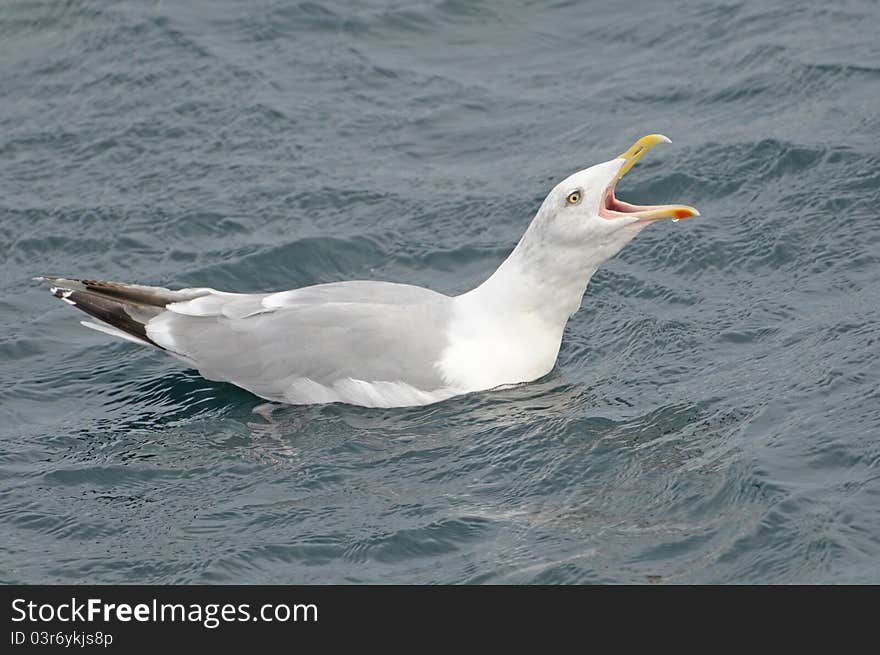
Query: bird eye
[(573, 198)]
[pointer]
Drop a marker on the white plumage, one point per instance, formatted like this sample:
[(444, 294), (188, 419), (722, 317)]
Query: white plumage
[(379, 344)]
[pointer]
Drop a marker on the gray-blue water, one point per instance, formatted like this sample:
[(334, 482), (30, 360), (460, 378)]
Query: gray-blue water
[(714, 415)]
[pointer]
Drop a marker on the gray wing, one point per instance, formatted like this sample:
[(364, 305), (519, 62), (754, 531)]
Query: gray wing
[(325, 334)]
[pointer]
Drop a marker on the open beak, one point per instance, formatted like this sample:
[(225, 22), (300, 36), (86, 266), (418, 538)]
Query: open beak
[(611, 207)]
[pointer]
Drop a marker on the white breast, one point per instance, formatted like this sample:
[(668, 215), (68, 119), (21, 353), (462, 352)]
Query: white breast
[(488, 348)]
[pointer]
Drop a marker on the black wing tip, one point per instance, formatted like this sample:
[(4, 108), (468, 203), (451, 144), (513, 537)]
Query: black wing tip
[(109, 310), (100, 303)]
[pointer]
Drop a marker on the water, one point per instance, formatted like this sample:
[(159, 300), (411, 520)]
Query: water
[(714, 414)]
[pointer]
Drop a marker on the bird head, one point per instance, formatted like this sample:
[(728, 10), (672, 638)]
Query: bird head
[(584, 207)]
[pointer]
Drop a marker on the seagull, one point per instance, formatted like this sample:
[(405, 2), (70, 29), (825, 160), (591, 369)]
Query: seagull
[(382, 344)]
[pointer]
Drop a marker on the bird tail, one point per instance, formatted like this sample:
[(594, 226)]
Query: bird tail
[(122, 310)]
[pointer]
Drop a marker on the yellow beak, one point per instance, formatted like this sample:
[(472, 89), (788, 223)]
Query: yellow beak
[(651, 212)]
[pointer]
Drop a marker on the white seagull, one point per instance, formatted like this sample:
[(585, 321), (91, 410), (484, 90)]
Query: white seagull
[(379, 344)]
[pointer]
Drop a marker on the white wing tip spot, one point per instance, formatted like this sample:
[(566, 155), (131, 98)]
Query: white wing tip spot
[(63, 294)]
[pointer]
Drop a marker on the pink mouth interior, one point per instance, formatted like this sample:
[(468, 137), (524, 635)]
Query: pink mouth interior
[(612, 206)]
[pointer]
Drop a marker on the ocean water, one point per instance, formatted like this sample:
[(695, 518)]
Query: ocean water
[(714, 416)]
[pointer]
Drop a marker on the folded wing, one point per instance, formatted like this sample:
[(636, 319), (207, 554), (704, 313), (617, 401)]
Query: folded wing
[(368, 342)]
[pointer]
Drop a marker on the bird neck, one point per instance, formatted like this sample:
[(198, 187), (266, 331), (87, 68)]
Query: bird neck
[(538, 280)]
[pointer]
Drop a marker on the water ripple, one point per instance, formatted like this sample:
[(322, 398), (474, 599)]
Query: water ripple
[(714, 412)]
